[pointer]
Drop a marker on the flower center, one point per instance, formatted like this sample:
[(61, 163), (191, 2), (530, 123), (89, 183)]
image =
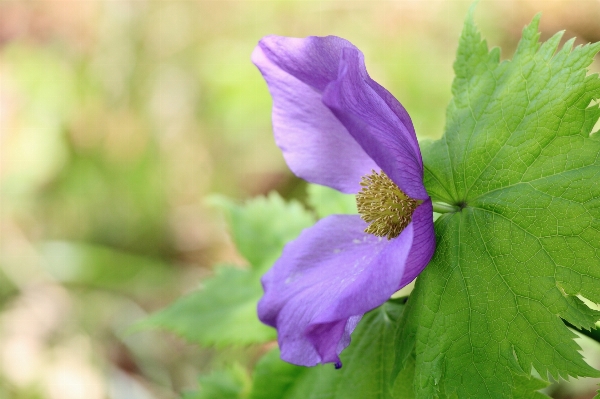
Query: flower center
[(384, 206)]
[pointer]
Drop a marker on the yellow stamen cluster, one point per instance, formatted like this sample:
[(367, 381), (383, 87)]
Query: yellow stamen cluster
[(384, 206)]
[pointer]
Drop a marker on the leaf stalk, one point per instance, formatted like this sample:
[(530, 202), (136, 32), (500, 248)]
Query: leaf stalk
[(442, 207)]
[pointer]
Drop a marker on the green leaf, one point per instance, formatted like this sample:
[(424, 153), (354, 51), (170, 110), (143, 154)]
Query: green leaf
[(518, 158), (223, 312), (262, 226), (365, 373), (232, 383), (327, 201), (527, 387)]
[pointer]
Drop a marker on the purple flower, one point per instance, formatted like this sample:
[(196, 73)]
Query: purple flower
[(339, 128)]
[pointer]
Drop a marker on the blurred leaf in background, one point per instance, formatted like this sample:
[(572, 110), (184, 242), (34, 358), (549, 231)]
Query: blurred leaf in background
[(223, 312), (327, 201), (231, 383), (262, 226)]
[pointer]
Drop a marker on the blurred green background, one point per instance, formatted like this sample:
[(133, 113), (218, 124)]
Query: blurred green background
[(118, 118)]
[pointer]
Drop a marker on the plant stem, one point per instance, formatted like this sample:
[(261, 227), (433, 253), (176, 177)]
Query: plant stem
[(442, 207)]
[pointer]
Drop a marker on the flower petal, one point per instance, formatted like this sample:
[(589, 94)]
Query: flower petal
[(377, 122), (325, 281), (315, 145), (424, 236)]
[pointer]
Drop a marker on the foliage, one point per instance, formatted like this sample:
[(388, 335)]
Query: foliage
[(118, 118), (519, 160), (518, 156)]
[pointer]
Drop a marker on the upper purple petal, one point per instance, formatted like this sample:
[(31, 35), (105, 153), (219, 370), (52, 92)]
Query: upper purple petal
[(377, 122), (326, 280), (315, 145)]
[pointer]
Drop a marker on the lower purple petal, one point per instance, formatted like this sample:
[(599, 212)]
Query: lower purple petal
[(325, 281), (424, 236)]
